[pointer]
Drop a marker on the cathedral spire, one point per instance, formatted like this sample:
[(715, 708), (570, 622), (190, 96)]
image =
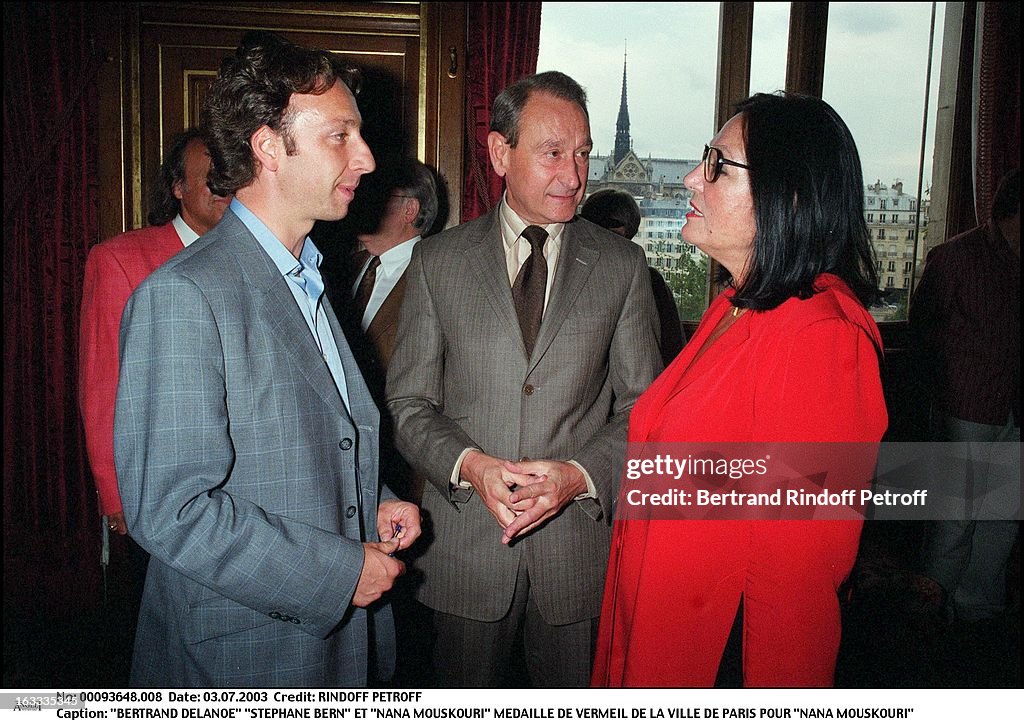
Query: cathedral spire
[(622, 140)]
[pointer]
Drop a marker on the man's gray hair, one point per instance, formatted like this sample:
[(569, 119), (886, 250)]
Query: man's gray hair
[(509, 104)]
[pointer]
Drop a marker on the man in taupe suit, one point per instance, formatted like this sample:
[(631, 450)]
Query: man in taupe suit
[(525, 338), (245, 439)]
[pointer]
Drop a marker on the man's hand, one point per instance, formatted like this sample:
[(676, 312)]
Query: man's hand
[(548, 487), (398, 521), (492, 480), (116, 523), (380, 570)]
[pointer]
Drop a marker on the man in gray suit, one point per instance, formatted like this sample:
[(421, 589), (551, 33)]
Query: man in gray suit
[(246, 440), (525, 338)]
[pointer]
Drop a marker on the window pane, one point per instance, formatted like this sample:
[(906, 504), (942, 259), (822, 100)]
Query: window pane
[(768, 47), (876, 59), (669, 91)]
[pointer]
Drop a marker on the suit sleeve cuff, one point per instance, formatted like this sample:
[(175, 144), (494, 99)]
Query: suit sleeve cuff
[(591, 492), (459, 489), (588, 500)]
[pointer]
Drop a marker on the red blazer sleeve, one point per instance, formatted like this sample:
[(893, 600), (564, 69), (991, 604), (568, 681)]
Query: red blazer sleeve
[(112, 272), (105, 291)]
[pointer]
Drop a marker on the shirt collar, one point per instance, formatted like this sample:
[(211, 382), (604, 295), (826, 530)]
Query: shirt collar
[(512, 226), (185, 232), (398, 257), (286, 263)]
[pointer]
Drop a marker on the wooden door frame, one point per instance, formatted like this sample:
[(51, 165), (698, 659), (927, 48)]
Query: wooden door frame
[(439, 29)]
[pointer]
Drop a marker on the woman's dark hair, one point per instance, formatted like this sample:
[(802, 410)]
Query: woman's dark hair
[(253, 89), (612, 208), (808, 191), (165, 205)]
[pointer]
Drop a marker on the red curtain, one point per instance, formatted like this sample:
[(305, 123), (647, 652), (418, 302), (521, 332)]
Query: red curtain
[(998, 101), (503, 42), (51, 527)]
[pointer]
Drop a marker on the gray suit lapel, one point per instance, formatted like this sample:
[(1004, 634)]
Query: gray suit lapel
[(575, 263), (277, 308), (487, 259), (365, 415), (364, 410), (280, 311)]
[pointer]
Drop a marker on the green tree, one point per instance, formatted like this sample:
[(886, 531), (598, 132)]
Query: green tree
[(900, 314), (689, 282)]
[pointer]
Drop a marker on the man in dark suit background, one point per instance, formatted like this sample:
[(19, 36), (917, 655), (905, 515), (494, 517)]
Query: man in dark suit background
[(398, 204), (403, 204), (246, 441), (617, 211), (525, 336), (965, 319), (406, 195)]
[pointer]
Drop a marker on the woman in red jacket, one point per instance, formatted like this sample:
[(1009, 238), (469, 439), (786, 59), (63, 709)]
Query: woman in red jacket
[(788, 353)]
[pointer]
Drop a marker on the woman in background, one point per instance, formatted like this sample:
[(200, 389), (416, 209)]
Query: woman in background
[(787, 353)]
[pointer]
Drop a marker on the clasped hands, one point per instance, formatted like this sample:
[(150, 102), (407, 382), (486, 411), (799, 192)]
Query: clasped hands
[(522, 495)]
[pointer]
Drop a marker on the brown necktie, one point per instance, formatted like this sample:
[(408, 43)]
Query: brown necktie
[(529, 287), (365, 289)]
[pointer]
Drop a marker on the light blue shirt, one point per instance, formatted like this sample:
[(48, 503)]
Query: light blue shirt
[(307, 287)]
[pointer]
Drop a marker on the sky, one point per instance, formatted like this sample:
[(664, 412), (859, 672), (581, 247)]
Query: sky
[(875, 66)]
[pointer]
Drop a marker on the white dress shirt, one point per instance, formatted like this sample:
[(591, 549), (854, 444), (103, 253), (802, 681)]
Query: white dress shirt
[(393, 263), (518, 249), (185, 232)]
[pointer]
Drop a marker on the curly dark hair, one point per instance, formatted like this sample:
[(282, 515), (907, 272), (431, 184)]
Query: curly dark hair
[(165, 205), (808, 189), (253, 89)]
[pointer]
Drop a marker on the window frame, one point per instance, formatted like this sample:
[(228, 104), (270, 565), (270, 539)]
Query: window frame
[(805, 72)]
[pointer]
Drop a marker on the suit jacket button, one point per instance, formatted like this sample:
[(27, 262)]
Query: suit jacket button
[(345, 444), (350, 512), (275, 615), (528, 390)]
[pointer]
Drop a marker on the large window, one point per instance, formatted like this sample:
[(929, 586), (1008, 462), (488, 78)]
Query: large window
[(669, 93), (768, 47), (874, 73), (876, 77)]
